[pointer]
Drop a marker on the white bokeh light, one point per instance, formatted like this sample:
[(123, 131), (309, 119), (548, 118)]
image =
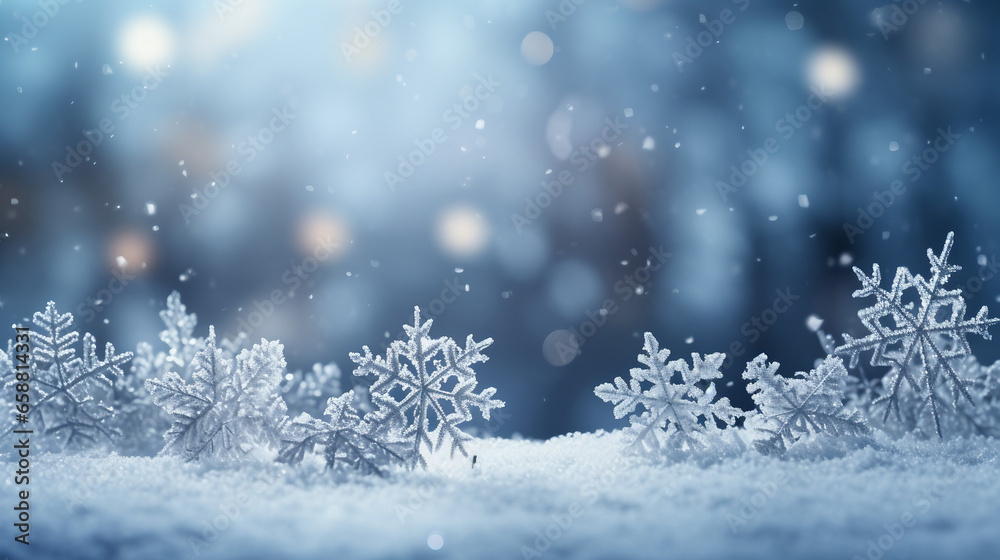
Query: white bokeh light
[(833, 71), (435, 541), (462, 231), (146, 40), (537, 48)]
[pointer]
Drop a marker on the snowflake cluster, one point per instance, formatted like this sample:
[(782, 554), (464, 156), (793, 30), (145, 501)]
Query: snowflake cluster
[(921, 340), (919, 330)]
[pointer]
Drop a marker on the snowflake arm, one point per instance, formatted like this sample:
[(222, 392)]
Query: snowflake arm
[(346, 439), (73, 392)]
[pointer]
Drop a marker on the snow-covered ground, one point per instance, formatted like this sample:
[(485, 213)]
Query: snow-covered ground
[(575, 496)]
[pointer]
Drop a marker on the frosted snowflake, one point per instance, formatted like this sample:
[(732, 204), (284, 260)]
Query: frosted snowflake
[(74, 394), (347, 439), (676, 412), (789, 409), (424, 400), (918, 342), (226, 410)]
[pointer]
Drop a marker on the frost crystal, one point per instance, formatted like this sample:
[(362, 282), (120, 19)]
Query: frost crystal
[(226, 410), (346, 439), (676, 414), (808, 404), (73, 393), (918, 342), (424, 400)]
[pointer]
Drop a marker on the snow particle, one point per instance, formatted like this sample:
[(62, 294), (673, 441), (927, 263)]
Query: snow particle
[(794, 20), (814, 323), (648, 143), (893, 146), (537, 48), (435, 541), (803, 201), (628, 113), (597, 215)]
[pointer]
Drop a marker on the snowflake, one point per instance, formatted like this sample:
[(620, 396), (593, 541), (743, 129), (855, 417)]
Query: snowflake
[(981, 416), (675, 412), (346, 439), (226, 410), (918, 344), (414, 399), (789, 409), (73, 393)]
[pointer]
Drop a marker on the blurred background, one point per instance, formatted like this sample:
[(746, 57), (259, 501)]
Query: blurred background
[(311, 171)]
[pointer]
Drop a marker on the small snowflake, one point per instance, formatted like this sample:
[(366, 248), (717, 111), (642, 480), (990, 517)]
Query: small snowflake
[(424, 400), (789, 409), (675, 412)]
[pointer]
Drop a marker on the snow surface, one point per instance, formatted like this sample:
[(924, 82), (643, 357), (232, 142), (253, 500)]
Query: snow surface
[(749, 506)]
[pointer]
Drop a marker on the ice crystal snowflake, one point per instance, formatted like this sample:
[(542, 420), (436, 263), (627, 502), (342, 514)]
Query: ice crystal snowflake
[(347, 439), (226, 410), (675, 412), (918, 342), (73, 393), (789, 409), (424, 400)]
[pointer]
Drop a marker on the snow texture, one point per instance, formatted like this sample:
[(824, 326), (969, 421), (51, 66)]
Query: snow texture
[(677, 415), (574, 496), (919, 343), (808, 404), (425, 399)]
